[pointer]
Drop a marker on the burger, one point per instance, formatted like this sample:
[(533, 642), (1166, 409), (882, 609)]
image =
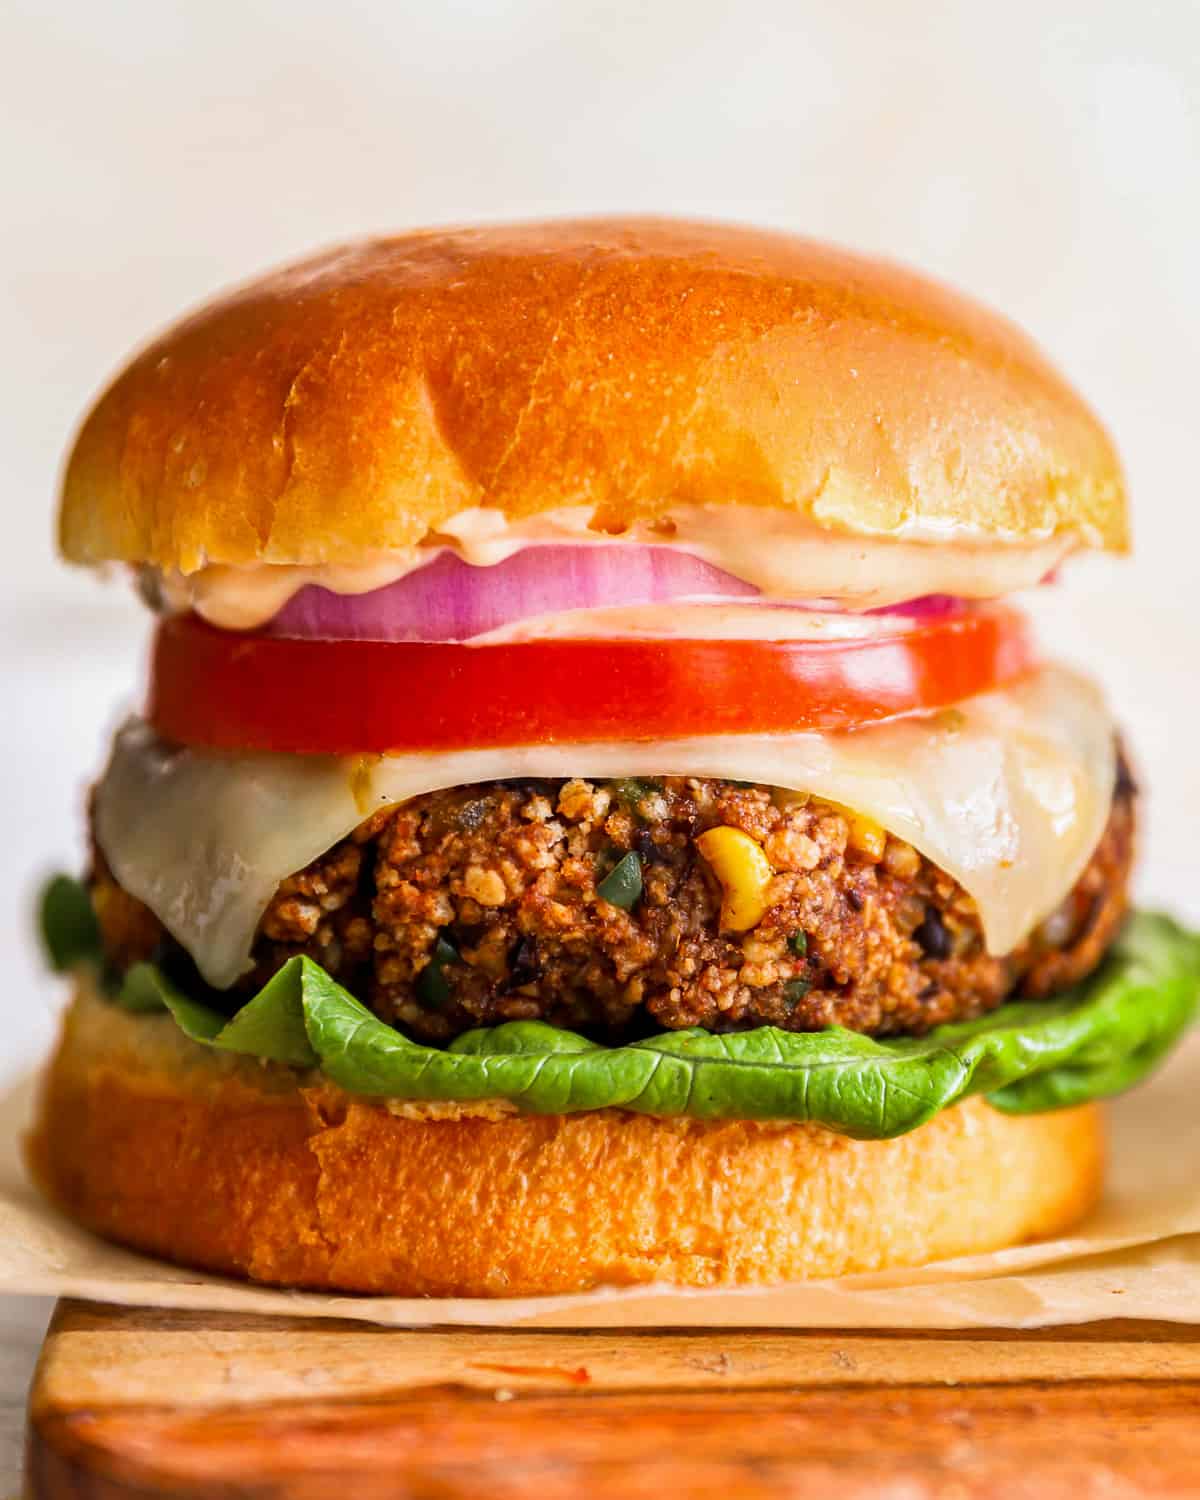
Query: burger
[(597, 816)]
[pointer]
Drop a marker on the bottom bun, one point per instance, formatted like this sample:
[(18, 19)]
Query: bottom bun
[(215, 1161)]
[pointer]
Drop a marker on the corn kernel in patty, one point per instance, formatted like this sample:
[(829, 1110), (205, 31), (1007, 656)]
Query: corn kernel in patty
[(744, 873)]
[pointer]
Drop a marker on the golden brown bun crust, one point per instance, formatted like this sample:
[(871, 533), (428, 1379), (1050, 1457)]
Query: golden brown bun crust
[(215, 1162), (354, 402)]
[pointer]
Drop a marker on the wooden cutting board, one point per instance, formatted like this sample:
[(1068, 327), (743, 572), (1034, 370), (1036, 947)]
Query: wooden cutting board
[(201, 1406)]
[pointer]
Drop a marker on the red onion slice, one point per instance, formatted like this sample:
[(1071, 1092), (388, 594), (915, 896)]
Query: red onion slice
[(928, 607), (450, 600)]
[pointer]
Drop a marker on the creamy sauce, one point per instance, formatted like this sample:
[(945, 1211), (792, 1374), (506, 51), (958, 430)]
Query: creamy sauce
[(715, 621), (783, 554)]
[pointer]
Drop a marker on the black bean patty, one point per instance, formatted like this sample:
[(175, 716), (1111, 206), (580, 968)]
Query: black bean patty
[(499, 902)]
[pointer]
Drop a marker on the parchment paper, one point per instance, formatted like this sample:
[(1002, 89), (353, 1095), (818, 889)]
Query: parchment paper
[(1138, 1256)]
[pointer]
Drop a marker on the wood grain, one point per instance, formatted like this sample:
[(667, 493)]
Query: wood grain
[(216, 1407)]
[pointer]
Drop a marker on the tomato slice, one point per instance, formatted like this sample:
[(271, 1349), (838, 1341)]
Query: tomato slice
[(233, 691)]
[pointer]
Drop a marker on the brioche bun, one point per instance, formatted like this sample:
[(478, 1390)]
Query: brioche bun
[(351, 404), (217, 1162)]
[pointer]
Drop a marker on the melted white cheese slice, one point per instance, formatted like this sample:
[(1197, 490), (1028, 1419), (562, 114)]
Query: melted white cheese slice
[(1008, 793)]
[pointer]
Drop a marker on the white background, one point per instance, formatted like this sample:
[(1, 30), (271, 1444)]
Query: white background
[(1044, 155)]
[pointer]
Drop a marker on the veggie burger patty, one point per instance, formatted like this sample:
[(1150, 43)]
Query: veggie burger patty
[(623, 907)]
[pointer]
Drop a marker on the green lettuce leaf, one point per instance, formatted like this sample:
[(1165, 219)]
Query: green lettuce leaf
[(1098, 1039), (271, 1026), (67, 923)]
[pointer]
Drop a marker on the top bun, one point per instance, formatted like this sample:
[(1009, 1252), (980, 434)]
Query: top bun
[(354, 402)]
